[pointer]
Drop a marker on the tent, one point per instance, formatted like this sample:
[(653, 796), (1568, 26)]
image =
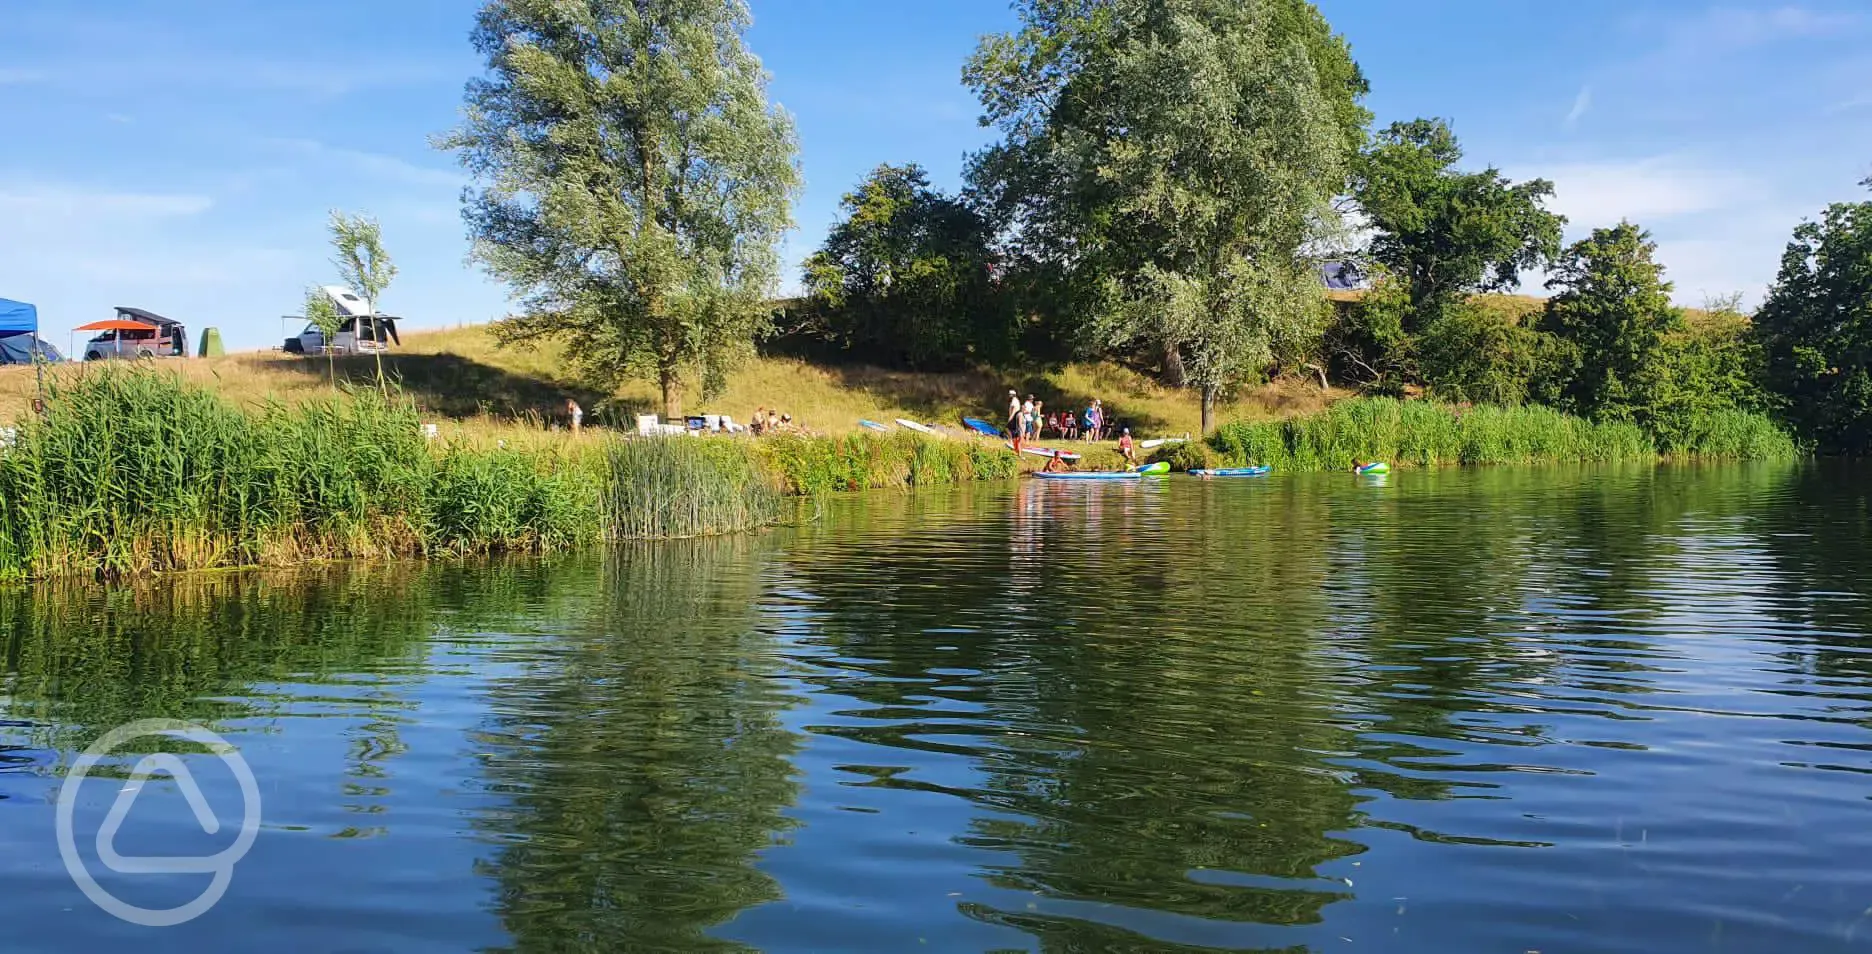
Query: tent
[(19, 334), (17, 317)]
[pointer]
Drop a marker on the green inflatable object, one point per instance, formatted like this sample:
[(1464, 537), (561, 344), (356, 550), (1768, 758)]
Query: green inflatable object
[(1154, 470), (1378, 468), (210, 344)]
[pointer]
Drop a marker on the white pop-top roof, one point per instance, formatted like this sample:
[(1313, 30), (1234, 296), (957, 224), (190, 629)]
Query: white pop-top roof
[(348, 302)]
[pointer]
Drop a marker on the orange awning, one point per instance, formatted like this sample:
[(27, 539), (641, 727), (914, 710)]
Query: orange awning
[(115, 324)]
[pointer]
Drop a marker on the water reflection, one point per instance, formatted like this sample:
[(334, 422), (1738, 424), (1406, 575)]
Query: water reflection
[(643, 759), (1596, 708)]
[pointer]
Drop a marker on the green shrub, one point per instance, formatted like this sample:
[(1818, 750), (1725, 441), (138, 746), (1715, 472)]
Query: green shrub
[(1189, 455)]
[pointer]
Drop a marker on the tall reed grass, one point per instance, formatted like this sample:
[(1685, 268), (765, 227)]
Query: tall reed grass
[(1425, 434), (810, 466), (133, 470), (683, 487)]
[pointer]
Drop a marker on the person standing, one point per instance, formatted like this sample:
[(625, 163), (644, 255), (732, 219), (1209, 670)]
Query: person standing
[(1026, 417), (1039, 421), (576, 413), (1013, 418)]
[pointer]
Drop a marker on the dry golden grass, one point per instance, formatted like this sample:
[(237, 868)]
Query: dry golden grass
[(475, 389)]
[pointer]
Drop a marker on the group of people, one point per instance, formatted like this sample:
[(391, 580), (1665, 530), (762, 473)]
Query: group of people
[(771, 421), (1029, 420)]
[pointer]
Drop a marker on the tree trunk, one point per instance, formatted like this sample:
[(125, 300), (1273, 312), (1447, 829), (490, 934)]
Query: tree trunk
[(1208, 408), (672, 392), (1174, 375), (1321, 371)]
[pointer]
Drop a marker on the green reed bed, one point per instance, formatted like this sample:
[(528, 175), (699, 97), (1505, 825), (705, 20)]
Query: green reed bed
[(814, 465), (686, 487), (1424, 434), (132, 471)]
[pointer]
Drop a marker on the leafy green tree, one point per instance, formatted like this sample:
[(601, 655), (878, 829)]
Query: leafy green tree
[(1614, 307), (323, 315), (1174, 159), (1816, 329), (362, 263), (359, 256), (635, 182), (1712, 363), (1487, 356), (1445, 232), (906, 277)]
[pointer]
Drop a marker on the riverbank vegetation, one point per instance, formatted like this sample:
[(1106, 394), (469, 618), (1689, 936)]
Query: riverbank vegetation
[(1426, 434), (129, 471)]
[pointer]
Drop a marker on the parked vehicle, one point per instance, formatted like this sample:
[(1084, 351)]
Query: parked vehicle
[(359, 329), (136, 333)]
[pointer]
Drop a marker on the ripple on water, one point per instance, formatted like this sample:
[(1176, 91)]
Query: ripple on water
[(1483, 710)]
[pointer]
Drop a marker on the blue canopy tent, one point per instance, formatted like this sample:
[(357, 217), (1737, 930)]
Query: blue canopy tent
[(19, 334)]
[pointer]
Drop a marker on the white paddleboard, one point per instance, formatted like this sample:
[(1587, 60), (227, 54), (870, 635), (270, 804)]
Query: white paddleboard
[(912, 425), (1045, 452)]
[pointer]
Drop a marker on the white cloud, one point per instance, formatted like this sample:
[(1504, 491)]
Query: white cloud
[(1718, 230), (77, 250), (371, 164), (1597, 194), (1581, 104), (26, 205), (1851, 104), (1726, 29)]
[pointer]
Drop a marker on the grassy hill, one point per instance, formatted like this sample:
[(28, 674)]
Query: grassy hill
[(462, 375)]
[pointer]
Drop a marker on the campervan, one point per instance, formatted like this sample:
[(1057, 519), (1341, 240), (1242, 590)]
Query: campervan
[(360, 330), (136, 333)]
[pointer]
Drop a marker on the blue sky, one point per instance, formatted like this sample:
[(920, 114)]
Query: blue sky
[(181, 155)]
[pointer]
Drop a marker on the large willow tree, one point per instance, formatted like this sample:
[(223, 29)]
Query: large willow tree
[(633, 179), (1175, 158)]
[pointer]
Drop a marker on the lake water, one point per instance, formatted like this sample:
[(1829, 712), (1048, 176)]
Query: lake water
[(1472, 710)]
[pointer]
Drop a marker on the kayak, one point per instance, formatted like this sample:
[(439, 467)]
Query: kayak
[(1091, 475), (1158, 469), (1234, 472), (872, 425), (1379, 467), (1045, 452), (980, 426), (914, 426)]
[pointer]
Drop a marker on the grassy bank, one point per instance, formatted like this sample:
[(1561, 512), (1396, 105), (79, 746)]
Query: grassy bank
[(133, 471), (1424, 434), (459, 375)]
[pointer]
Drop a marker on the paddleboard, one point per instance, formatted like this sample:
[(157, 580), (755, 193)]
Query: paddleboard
[(872, 425), (1158, 469), (912, 425), (1161, 441), (1376, 468), (1233, 472), (1091, 475), (980, 426), (1044, 451)]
